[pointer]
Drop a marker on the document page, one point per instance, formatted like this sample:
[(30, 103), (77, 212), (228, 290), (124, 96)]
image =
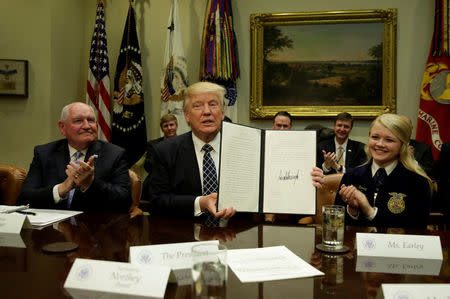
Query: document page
[(269, 263), (239, 167), (289, 159)]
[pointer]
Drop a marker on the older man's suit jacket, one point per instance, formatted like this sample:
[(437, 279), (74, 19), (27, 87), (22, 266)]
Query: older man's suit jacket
[(110, 190), (175, 180), (355, 154), (423, 155)]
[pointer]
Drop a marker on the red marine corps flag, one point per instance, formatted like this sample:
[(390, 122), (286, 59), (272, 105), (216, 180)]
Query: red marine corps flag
[(433, 124)]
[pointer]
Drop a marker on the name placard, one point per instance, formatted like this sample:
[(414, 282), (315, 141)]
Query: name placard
[(13, 223), (396, 245), (95, 278), (406, 290), (176, 255), (397, 265)]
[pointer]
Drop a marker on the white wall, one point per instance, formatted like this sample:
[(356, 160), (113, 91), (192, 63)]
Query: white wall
[(54, 35)]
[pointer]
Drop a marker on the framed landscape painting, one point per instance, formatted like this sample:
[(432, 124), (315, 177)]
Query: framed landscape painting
[(318, 64)]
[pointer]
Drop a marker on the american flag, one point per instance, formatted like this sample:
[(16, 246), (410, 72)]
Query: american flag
[(97, 91)]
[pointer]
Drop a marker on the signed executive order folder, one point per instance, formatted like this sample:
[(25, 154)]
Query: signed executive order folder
[(267, 171)]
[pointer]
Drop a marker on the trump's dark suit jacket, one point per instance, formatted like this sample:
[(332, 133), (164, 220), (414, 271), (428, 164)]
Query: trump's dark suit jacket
[(354, 153), (110, 190), (175, 180)]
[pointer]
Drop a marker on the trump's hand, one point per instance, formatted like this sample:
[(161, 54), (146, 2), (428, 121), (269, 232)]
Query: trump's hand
[(317, 177), (209, 202)]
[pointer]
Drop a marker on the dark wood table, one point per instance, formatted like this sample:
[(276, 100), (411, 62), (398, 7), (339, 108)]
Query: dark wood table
[(30, 273)]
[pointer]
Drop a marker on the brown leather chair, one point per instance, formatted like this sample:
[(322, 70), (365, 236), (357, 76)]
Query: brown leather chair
[(11, 179), (136, 191), (325, 196)]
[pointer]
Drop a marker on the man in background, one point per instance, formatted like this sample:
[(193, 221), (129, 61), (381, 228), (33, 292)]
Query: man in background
[(421, 151), (282, 121), (78, 172), (169, 126), (340, 153)]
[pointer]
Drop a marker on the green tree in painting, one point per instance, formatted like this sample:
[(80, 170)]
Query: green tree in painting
[(377, 51), (375, 74), (274, 40)]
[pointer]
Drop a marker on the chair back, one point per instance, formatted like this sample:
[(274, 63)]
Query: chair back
[(136, 191), (11, 179), (325, 196)]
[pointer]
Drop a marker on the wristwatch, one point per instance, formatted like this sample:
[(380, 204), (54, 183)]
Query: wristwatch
[(340, 168)]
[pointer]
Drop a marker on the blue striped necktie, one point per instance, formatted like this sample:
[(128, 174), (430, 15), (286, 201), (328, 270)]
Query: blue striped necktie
[(77, 156), (209, 181)]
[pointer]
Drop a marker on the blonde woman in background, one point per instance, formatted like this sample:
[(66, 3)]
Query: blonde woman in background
[(391, 189)]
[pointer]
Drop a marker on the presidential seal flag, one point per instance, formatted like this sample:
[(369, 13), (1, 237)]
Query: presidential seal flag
[(98, 83), (128, 127), (433, 124), (174, 72)]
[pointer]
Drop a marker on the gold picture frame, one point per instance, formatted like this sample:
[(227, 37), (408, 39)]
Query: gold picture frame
[(319, 72)]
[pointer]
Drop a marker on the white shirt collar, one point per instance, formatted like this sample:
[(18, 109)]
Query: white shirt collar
[(344, 145), (388, 168), (72, 152), (198, 143)]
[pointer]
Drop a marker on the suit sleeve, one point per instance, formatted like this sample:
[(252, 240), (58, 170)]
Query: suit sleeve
[(33, 192), (111, 190), (164, 188), (443, 176), (427, 162)]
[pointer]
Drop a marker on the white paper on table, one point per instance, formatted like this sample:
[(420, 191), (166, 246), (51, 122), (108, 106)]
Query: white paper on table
[(45, 217), (419, 290), (269, 263), (9, 209)]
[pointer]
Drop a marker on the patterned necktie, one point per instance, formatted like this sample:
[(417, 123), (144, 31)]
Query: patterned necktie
[(379, 177), (340, 160), (76, 156), (209, 180)]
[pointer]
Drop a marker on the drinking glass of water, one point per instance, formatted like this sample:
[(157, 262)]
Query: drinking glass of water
[(209, 271), (333, 227)]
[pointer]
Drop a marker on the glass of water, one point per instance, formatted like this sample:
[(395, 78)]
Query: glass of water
[(333, 226), (209, 271)]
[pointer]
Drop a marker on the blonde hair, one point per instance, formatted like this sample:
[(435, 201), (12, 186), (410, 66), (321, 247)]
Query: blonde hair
[(204, 87), (402, 130)]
